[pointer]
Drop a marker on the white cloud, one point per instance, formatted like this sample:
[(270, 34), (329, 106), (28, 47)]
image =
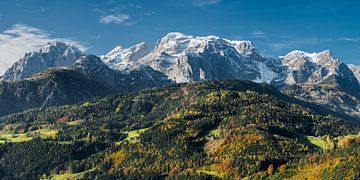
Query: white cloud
[(114, 18), (352, 39), (21, 39), (258, 34), (205, 2), (150, 13)]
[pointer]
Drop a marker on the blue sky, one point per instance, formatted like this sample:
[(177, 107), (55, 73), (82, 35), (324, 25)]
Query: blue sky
[(274, 26)]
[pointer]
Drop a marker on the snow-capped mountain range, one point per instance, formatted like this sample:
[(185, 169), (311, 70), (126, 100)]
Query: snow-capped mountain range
[(185, 58), (178, 58)]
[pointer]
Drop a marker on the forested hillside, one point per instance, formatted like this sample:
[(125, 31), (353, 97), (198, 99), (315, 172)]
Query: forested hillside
[(209, 129)]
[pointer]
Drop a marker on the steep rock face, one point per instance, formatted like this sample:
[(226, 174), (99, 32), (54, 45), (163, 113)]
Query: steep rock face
[(316, 68), (322, 79), (186, 58), (57, 54), (320, 68), (122, 58), (355, 70)]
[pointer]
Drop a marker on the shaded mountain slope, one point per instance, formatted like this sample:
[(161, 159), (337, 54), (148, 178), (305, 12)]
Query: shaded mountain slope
[(52, 87), (87, 78)]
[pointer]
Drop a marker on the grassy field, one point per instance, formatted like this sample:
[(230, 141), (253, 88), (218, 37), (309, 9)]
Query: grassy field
[(69, 175), (317, 141), (133, 135), (74, 123), (215, 132), (47, 133), (16, 138), (211, 173)]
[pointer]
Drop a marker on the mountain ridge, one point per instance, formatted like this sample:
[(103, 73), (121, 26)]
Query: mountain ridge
[(185, 58)]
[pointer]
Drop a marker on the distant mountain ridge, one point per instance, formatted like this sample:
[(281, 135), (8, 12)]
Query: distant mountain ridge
[(184, 58), (179, 58)]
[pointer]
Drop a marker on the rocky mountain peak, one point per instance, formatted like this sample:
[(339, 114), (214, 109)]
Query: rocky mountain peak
[(59, 46), (314, 68), (244, 46), (185, 58), (54, 54), (91, 65), (114, 52), (123, 58), (176, 43), (89, 61)]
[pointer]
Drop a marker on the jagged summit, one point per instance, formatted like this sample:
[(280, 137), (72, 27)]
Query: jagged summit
[(123, 58), (177, 42), (59, 46), (54, 54), (322, 58), (306, 67), (185, 58)]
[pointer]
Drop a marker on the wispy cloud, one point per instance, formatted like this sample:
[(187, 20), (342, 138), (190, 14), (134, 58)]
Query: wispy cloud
[(111, 2), (150, 13), (114, 18), (112, 12), (205, 2), (258, 34), (352, 39), (20, 39)]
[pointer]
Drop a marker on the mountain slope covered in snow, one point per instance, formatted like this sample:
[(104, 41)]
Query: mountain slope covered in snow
[(56, 54)]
